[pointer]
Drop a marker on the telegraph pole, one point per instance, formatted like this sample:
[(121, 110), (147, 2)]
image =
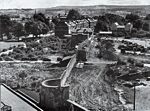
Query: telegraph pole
[(134, 96)]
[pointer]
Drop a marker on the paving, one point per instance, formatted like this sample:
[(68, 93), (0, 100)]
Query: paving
[(16, 103)]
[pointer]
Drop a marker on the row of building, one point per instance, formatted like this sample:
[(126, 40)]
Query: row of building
[(74, 27)]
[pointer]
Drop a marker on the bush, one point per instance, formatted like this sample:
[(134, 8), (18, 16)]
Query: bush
[(132, 71), (6, 58), (18, 56), (139, 64), (4, 50), (46, 59), (31, 55), (10, 48), (1, 59), (120, 62), (59, 59), (33, 59), (17, 50), (130, 60), (25, 59), (3, 55)]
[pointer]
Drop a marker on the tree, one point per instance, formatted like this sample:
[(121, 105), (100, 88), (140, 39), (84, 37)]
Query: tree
[(41, 17), (146, 27), (43, 27), (101, 26), (132, 17), (55, 20), (106, 50), (18, 30), (138, 24), (36, 28), (147, 17), (22, 75), (73, 15), (111, 18), (5, 26)]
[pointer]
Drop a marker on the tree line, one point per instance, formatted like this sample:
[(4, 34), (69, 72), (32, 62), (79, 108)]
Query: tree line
[(37, 25)]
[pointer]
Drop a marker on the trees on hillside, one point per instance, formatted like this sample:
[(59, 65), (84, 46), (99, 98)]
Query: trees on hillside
[(36, 28)]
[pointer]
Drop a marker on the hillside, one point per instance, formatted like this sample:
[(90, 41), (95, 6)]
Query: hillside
[(93, 10)]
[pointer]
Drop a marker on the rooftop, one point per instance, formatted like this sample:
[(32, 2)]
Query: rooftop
[(16, 100)]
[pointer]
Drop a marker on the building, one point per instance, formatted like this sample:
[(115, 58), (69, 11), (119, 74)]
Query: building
[(115, 27), (16, 18), (105, 33), (72, 27), (88, 31), (92, 23), (128, 27)]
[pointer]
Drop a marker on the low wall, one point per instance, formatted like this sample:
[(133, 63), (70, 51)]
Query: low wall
[(69, 67), (76, 107)]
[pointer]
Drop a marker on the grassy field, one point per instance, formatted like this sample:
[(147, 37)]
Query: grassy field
[(6, 45)]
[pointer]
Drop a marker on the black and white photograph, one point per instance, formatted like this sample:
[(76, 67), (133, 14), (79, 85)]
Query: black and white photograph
[(74, 55)]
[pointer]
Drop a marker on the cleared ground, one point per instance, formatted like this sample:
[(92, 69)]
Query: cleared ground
[(143, 97), (92, 89)]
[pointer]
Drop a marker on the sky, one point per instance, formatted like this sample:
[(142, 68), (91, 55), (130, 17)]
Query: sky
[(7, 4)]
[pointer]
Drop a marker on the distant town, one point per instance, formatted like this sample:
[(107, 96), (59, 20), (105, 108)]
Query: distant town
[(80, 58)]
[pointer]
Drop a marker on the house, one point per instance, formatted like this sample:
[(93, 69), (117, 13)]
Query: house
[(92, 23), (128, 27), (116, 27)]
